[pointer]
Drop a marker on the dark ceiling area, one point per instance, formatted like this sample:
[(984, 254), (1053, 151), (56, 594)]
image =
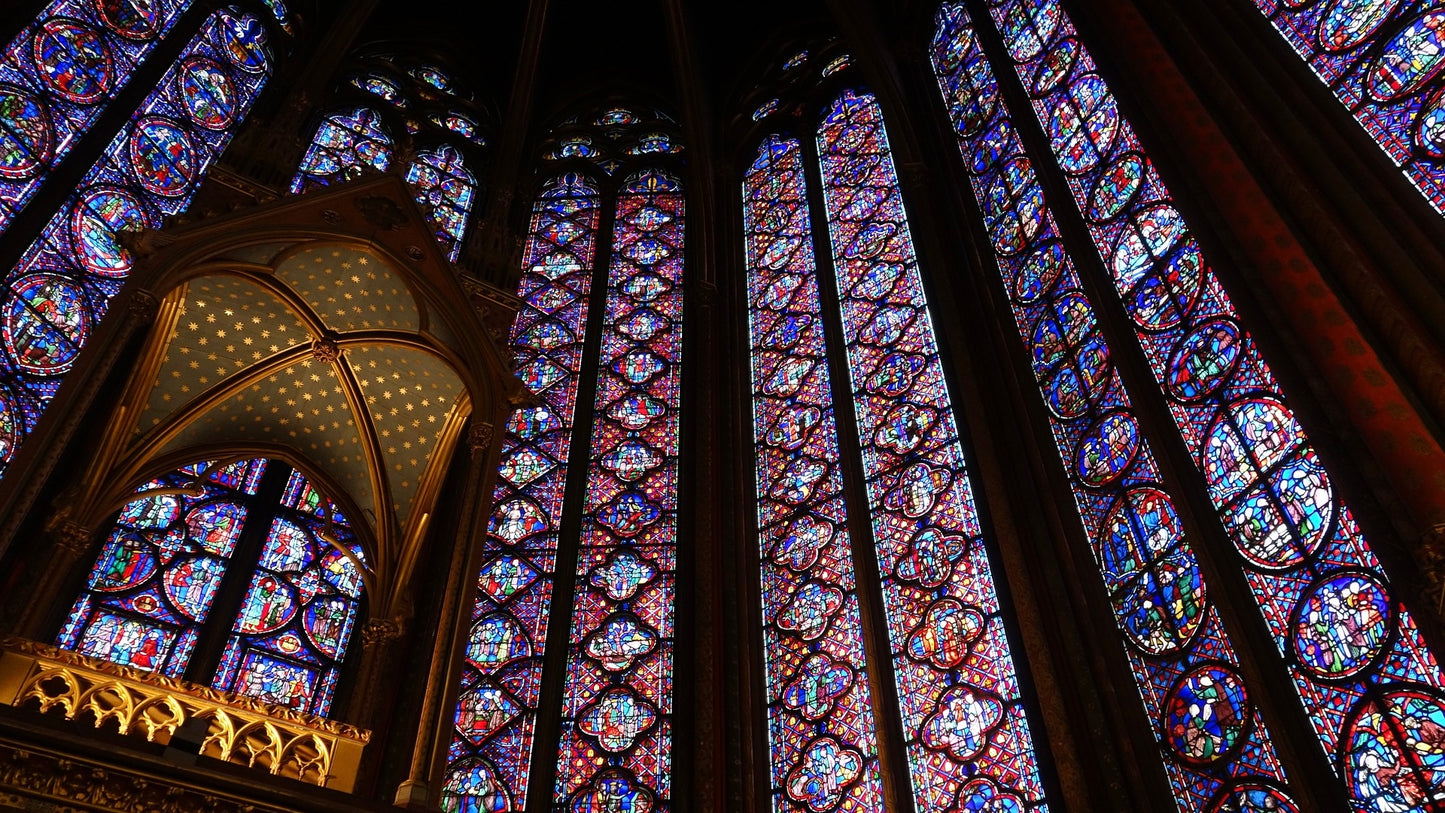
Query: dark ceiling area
[(594, 51)]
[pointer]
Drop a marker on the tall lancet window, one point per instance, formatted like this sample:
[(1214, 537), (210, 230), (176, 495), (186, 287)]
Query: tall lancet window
[(967, 740), (1367, 681), (610, 219), (63, 284), (1212, 740), (57, 76), (818, 695), (1382, 59)]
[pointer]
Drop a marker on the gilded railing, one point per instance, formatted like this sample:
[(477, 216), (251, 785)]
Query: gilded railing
[(240, 730)]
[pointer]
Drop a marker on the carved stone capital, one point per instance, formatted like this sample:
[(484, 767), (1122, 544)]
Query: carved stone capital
[(143, 306), (1430, 553), (70, 538), (913, 174), (381, 632), (479, 438)]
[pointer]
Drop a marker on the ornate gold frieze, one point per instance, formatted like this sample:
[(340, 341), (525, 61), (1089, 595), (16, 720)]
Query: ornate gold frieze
[(241, 730)]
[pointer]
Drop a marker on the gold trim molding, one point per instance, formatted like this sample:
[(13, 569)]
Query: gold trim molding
[(242, 730)]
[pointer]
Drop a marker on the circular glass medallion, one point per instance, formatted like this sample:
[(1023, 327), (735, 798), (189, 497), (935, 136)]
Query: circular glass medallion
[(1343, 624), (1107, 449), (1430, 126), (1410, 60), (1347, 23), (1287, 517), (12, 425), (46, 323), (1204, 360), (1393, 754), (1055, 65), (244, 42), (95, 225), (1036, 274), (1115, 187), (162, 157), (26, 134), (1082, 126), (208, 93), (1206, 714), (73, 60), (1254, 795), (132, 19)]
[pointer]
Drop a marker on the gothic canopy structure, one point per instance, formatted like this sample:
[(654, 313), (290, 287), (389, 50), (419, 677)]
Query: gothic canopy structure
[(836, 406)]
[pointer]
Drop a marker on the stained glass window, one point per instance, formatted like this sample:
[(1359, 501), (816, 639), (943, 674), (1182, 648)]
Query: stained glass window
[(1214, 744), (153, 584), (160, 570), (64, 282), (963, 719), (345, 144), (1382, 60), (459, 124), (487, 765), (381, 87), (295, 622), (1358, 661), (616, 744), (440, 180), (57, 76), (822, 735)]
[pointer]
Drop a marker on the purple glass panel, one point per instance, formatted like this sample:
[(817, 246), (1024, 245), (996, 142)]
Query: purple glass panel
[(490, 757), (1382, 59), (156, 577), (824, 743), (64, 282), (439, 178), (963, 720), (296, 619), (57, 76), (616, 742)]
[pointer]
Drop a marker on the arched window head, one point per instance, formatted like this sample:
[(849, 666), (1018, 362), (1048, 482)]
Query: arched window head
[(440, 180), (345, 145), (193, 537)]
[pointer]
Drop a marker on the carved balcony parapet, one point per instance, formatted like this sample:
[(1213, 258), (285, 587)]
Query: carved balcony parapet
[(241, 730)]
